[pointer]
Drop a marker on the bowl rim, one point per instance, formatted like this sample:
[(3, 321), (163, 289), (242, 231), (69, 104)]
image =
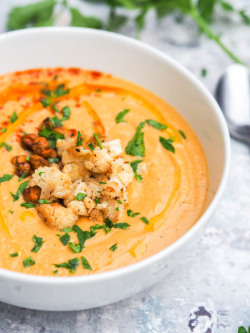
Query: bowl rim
[(92, 278)]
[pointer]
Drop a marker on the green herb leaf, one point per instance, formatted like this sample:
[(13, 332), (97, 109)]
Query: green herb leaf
[(79, 20), (51, 136), (66, 113), (167, 144), (23, 175), (5, 178), (55, 160), (131, 214), (20, 189), (28, 205), (6, 146), (65, 239), (182, 134), (79, 139), (120, 116), (76, 248), (55, 272), (11, 212), (13, 255), (37, 14), (136, 146), (145, 220), (97, 200), (56, 122), (242, 329), (91, 146), (71, 265), (83, 235), (102, 183), (119, 201), (134, 166), (156, 125), (113, 247), (43, 201), (98, 140), (108, 223), (123, 226), (60, 91), (3, 129), (27, 158), (28, 262), (38, 243), (80, 196), (67, 230), (13, 117), (86, 264)]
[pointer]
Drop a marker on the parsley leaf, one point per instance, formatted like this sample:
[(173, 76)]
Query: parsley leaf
[(97, 200), (83, 235), (120, 116), (203, 72), (13, 117), (65, 239), (123, 226), (3, 129), (13, 255), (167, 144), (55, 160), (98, 140), (28, 205), (242, 329), (80, 196), (6, 146), (23, 175), (136, 146), (38, 243), (79, 139), (86, 264), (134, 166), (156, 125), (91, 146), (20, 189), (5, 178), (71, 265), (79, 20), (145, 220), (76, 248), (113, 247), (28, 262), (131, 214), (51, 136), (66, 113), (43, 201), (60, 91), (67, 230), (182, 134)]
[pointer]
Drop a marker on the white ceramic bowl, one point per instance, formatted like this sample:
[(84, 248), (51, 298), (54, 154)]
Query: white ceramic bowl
[(141, 64)]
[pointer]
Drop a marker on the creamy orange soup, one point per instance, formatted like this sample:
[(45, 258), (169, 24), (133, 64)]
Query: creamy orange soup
[(171, 195)]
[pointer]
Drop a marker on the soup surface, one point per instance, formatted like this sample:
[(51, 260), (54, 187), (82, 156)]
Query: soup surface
[(168, 190)]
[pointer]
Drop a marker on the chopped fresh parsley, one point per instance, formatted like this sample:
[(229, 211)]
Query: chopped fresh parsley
[(11, 211), (13, 117), (56, 122), (131, 214), (40, 173), (86, 264), (28, 262), (54, 108), (102, 183), (145, 220), (97, 200), (182, 134), (13, 255), (242, 329), (20, 189), (55, 160), (45, 101), (55, 272), (98, 140), (123, 226), (23, 175), (113, 247), (28, 205), (134, 166), (3, 129), (136, 146), (51, 136), (60, 91), (167, 144), (43, 201), (6, 146), (83, 235), (5, 178), (66, 113), (156, 125), (38, 243), (76, 248), (80, 196), (117, 208), (67, 230), (108, 223), (120, 116), (203, 72), (65, 238), (27, 158), (91, 146), (79, 139), (71, 265)]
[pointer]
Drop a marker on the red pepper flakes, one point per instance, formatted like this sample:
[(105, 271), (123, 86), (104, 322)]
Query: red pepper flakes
[(95, 74), (73, 70)]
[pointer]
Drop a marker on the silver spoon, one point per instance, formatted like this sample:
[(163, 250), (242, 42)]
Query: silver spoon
[(233, 95)]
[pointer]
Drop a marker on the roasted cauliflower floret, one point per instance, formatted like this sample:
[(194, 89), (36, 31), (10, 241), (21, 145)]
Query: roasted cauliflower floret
[(75, 171), (123, 171), (57, 216), (99, 161), (78, 208), (54, 184), (113, 147), (110, 210)]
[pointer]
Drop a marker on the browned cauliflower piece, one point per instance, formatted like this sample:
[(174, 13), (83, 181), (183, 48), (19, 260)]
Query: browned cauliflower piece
[(57, 216), (123, 171), (78, 207), (53, 183), (99, 161)]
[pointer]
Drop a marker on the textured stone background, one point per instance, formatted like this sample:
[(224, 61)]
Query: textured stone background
[(209, 292)]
